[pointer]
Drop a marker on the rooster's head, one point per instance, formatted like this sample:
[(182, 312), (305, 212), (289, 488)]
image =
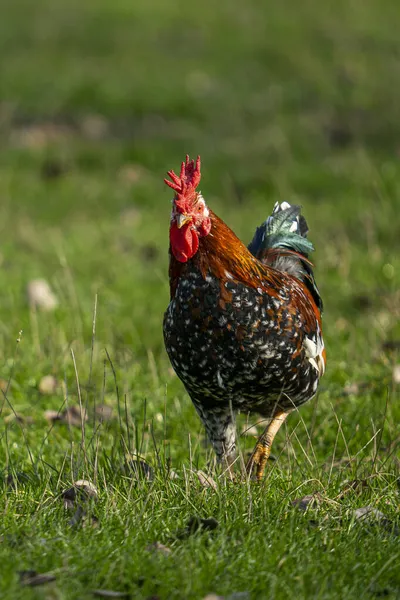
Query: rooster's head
[(190, 217)]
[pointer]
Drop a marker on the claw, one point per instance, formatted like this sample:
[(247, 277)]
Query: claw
[(258, 460), (261, 452)]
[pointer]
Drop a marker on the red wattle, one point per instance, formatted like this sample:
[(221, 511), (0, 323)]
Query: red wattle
[(184, 242)]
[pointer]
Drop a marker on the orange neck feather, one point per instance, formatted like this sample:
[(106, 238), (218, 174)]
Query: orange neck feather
[(224, 256), (221, 252)]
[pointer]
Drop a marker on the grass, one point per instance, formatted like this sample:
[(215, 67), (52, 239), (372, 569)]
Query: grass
[(283, 101)]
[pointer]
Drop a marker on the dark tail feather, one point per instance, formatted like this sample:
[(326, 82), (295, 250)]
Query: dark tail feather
[(281, 242)]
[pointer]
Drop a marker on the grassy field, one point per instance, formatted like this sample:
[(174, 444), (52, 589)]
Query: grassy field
[(283, 100)]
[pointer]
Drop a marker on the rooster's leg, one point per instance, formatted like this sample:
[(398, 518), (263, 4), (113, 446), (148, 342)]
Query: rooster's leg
[(261, 452), (221, 431)]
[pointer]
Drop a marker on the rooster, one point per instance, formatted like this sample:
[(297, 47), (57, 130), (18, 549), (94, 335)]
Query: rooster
[(243, 327)]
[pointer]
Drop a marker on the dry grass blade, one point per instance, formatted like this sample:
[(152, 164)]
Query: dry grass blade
[(110, 594), (33, 579)]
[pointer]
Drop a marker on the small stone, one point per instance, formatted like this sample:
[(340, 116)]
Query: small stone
[(158, 547), (41, 296), (72, 416), (306, 502), (205, 480), (52, 415), (87, 488), (48, 385), (396, 374), (110, 594), (369, 515), (82, 490)]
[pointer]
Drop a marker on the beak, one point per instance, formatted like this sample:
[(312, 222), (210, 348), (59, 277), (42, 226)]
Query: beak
[(182, 219)]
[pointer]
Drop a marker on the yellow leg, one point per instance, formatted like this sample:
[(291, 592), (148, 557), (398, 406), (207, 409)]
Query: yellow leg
[(261, 452)]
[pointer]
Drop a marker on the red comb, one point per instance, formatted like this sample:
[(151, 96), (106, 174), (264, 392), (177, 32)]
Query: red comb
[(188, 180)]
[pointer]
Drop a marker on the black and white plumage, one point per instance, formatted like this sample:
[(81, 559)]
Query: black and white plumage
[(243, 327)]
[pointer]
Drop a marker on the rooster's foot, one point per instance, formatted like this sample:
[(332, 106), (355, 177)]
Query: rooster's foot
[(261, 452), (258, 460)]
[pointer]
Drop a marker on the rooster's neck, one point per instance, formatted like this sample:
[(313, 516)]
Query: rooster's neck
[(222, 255)]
